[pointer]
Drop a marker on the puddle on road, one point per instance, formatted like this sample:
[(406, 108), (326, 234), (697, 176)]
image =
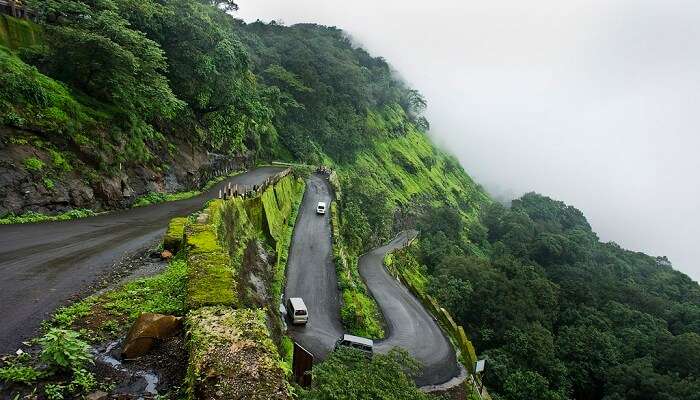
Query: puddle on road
[(130, 381)]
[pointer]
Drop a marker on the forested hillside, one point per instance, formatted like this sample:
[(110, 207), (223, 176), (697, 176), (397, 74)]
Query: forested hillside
[(134, 94), (557, 313)]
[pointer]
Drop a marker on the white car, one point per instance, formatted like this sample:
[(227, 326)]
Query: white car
[(358, 343), (296, 309), (321, 208)]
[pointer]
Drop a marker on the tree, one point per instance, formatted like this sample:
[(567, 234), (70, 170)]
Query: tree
[(93, 48)]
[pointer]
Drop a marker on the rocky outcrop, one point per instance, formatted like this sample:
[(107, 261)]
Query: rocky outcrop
[(39, 176)]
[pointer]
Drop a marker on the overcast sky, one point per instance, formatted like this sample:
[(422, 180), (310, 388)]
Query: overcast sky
[(593, 102)]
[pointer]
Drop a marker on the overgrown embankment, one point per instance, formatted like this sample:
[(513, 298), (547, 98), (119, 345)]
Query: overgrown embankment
[(17, 33), (224, 281), (236, 255), (68, 142)]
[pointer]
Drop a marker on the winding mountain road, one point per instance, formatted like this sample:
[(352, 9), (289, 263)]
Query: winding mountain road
[(311, 275), (43, 265)]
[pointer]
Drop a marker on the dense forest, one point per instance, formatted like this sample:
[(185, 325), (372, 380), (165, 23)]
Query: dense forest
[(556, 313)]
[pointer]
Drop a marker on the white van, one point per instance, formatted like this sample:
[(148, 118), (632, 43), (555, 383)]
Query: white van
[(321, 208), (355, 342), (296, 309)]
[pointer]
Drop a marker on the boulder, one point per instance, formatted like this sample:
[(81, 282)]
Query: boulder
[(146, 330), (203, 218), (98, 395)]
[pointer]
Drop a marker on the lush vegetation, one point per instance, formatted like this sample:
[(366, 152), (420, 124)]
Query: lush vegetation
[(156, 197), (556, 313), (349, 375), (32, 217)]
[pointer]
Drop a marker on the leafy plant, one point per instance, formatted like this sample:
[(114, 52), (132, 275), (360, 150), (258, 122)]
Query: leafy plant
[(59, 161), (19, 374), (54, 391), (33, 164), (63, 349), (48, 183), (83, 381)]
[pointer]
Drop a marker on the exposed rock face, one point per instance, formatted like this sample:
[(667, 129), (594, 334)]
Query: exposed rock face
[(61, 180)]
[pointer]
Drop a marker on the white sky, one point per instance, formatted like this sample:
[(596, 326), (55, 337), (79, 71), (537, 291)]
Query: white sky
[(593, 102)]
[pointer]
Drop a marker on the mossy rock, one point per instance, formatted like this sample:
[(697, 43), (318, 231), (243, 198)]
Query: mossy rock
[(467, 349), (172, 241), (17, 33), (231, 356), (210, 275)]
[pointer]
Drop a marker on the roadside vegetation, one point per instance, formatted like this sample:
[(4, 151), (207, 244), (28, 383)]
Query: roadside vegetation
[(349, 374), (32, 217)]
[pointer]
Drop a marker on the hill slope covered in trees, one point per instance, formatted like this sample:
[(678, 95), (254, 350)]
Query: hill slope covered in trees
[(127, 94)]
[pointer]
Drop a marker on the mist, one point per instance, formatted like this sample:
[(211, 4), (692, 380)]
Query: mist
[(592, 102)]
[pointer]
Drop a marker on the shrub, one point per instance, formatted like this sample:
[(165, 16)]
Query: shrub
[(54, 391), (33, 164), (13, 373), (48, 183), (348, 374), (83, 381), (63, 349)]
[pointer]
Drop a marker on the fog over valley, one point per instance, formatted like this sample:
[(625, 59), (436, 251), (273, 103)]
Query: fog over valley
[(592, 102)]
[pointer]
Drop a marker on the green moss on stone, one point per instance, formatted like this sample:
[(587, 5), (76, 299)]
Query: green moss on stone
[(17, 33), (231, 356), (210, 275), (172, 241)]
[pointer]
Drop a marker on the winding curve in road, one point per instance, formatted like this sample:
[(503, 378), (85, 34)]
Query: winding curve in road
[(43, 265), (311, 275)]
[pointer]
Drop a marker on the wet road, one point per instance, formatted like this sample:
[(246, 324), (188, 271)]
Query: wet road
[(311, 272), (43, 265), (311, 275), (409, 325)]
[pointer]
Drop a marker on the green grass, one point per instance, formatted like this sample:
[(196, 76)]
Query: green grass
[(360, 315), (404, 263), (359, 312), (155, 197), (161, 294), (33, 217)]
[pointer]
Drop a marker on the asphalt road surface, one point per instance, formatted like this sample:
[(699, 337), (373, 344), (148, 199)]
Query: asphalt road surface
[(42, 265), (409, 325), (311, 272), (311, 275)]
